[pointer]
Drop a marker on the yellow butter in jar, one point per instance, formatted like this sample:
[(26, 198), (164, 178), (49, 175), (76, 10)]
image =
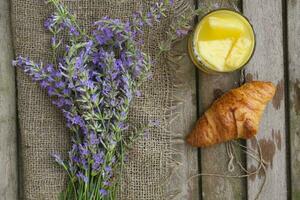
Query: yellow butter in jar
[(223, 41)]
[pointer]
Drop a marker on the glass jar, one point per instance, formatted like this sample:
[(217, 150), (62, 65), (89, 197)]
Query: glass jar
[(223, 41)]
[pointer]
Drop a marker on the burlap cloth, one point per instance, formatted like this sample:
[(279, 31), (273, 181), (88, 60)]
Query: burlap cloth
[(42, 127)]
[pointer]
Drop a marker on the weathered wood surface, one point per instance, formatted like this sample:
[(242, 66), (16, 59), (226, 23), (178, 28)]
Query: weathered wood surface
[(186, 156), (215, 159), (294, 97), (268, 64), (8, 141), (185, 114)]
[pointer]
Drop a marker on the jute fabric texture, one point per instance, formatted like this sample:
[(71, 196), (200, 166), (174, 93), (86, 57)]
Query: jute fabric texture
[(42, 126)]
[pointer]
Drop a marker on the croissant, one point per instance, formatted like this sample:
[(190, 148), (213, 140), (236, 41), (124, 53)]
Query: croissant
[(235, 115)]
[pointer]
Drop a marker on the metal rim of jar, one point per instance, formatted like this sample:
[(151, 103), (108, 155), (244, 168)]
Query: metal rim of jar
[(198, 61)]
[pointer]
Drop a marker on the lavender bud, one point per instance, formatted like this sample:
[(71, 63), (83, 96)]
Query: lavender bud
[(103, 192), (58, 159)]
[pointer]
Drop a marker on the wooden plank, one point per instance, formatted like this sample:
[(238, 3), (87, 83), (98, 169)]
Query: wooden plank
[(294, 97), (215, 159), (184, 75), (268, 64), (8, 141), (181, 126)]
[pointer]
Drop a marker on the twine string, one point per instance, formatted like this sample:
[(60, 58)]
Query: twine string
[(229, 150), (233, 159)]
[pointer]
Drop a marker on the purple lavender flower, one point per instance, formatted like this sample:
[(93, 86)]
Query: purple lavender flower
[(84, 163), (82, 177), (83, 150), (98, 158), (108, 33), (89, 84), (138, 93), (108, 169), (89, 46), (103, 192), (95, 167), (49, 22), (106, 183), (51, 91), (94, 97), (77, 120), (44, 84), (58, 159), (71, 85), (66, 91), (67, 48), (101, 39), (181, 32), (76, 159), (59, 102), (50, 68), (60, 84), (53, 41), (73, 31), (94, 140)]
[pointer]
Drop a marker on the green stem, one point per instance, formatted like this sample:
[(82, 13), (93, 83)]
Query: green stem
[(86, 184), (70, 177)]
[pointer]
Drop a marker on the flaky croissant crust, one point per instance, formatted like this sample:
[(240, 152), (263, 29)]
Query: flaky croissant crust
[(235, 115)]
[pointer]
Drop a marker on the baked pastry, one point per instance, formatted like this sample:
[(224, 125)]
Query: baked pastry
[(236, 114)]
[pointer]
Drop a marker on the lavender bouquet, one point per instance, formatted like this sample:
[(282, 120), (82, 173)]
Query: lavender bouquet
[(93, 79)]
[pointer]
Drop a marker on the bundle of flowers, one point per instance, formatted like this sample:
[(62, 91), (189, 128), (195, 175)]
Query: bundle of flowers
[(93, 79)]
